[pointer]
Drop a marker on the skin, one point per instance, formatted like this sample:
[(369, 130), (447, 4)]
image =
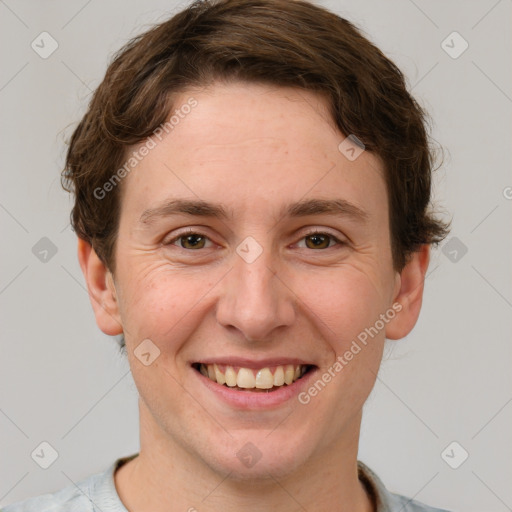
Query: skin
[(252, 149)]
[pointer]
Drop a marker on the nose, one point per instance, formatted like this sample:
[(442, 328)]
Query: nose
[(255, 299)]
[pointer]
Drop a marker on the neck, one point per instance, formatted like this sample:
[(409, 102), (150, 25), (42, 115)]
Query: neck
[(167, 477)]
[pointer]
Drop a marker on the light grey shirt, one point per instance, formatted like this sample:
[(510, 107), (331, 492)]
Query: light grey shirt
[(97, 493)]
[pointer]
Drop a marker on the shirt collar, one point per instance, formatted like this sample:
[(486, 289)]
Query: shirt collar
[(377, 492), (379, 495)]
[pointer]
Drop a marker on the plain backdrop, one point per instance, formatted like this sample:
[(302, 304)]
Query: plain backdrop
[(63, 381)]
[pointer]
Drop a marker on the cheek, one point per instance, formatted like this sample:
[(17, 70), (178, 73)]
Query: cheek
[(162, 304), (346, 310), (343, 302)]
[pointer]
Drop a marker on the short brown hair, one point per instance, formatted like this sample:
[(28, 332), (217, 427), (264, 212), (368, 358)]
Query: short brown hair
[(280, 42)]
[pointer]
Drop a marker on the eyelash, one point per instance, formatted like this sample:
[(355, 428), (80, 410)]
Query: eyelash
[(325, 233), (309, 233)]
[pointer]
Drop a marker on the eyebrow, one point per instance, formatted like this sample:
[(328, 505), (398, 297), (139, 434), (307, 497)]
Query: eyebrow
[(197, 208), (303, 208)]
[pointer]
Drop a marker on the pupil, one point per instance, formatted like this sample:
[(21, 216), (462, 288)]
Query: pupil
[(318, 239), (190, 240)]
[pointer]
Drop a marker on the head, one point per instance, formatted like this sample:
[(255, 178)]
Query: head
[(225, 215)]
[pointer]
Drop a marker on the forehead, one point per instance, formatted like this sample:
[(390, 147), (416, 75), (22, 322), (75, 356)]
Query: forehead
[(239, 117), (246, 143)]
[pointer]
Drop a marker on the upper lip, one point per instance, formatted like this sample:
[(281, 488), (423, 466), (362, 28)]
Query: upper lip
[(244, 362)]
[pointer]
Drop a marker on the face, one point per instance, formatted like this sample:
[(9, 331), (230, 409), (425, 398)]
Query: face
[(249, 241)]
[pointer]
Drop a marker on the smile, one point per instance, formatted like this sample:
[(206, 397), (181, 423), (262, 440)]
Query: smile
[(268, 378)]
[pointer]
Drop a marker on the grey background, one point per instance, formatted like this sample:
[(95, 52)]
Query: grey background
[(62, 380)]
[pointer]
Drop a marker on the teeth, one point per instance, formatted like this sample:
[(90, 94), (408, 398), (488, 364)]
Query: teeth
[(219, 376), (264, 379), (279, 376), (247, 378), (230, 377), (289, 374)]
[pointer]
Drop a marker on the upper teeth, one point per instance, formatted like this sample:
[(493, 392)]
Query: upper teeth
[(247, 378)]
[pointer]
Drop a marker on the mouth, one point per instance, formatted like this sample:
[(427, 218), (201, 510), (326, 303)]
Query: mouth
[(263, 379)]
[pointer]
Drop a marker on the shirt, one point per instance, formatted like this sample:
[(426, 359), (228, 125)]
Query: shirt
[(97, 493)]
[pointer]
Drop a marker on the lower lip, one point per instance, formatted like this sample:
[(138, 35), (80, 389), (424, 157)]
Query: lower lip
[(257, 399)]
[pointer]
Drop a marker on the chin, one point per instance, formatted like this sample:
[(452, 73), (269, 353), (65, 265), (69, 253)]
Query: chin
[(257, 457)]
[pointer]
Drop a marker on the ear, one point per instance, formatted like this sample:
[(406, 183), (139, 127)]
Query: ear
[(409, 294), (102, 292)]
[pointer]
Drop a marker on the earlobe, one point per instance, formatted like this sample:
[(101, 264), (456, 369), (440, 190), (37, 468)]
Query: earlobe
[(101, 288), (410, 294)]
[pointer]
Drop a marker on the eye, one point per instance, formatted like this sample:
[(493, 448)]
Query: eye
[(320, 240), (189, 240)]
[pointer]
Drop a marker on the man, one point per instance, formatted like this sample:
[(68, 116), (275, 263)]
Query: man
[(252, 182)]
